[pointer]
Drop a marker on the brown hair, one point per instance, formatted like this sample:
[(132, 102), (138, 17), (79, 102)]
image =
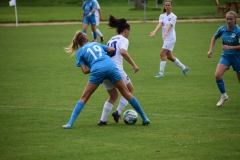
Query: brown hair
[(164, 10), (120, 24), (78, 40)]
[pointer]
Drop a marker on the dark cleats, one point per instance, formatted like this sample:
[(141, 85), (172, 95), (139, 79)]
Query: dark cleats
[(116, 116), (101, 123), (146, 122)]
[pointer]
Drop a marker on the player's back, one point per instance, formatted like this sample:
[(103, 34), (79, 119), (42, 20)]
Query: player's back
[(118, 42)]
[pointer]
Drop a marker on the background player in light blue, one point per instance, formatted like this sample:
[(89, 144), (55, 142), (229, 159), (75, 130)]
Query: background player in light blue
[(230, 34), (88, 17), (92, 58)]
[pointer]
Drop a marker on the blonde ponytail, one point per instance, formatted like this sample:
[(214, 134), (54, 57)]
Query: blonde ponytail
[(78, 40)]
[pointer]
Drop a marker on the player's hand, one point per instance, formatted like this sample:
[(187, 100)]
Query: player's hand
[(152, 34), (209, 54), (165, 36), (225, 47), (136, 69)]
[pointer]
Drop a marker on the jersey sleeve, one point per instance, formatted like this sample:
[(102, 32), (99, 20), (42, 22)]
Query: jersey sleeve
[(94, 5), (161, 18), (97, 5), (124, 44), (79, 60), (219, 32), (83, 6), (105, 47), (173, 20)]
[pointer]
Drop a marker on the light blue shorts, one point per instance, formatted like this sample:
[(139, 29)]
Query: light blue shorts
[(112, 74), (89, 20), (231, 60)]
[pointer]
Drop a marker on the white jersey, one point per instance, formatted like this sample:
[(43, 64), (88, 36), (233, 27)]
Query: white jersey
[(118, 42), (166, 20), (96, 9)]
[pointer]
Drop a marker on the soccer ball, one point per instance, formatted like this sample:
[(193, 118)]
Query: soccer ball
[(130, 116)]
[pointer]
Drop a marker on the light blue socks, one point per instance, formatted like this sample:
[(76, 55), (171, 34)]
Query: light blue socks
[(137, 107), (77, 110)]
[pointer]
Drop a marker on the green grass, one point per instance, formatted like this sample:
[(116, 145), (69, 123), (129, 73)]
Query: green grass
[(40, 84), (52, 11)]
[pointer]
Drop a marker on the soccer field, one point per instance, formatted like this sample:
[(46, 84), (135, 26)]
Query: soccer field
[(40, 85)]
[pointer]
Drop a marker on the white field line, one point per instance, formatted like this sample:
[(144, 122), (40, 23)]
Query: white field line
[(104, 22), (152, 114)]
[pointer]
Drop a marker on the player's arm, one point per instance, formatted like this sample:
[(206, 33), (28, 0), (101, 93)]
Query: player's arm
[(85, 70), (127, 57), (213, 41), (91, 12), (156, 29), (110, 50), (226, 47), (167, 30), (100, 14), (83, 16)]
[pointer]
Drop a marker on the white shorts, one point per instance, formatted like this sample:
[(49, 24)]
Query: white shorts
[(168, 46), (108, 85), (97, 20)]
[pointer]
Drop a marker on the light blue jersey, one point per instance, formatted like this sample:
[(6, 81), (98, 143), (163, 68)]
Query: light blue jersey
[(94, 56), (230, 38), (88, 6)]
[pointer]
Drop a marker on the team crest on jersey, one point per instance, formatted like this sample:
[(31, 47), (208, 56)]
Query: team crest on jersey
[(233, 35), (169, 19)]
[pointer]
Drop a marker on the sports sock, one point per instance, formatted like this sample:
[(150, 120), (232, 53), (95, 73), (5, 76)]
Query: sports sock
[(84, 31), (179, 64), (122, 104), (137, 107), (99, 33), (77, 110), (221, 86), (162, 67), (94, 35), (106, 110)]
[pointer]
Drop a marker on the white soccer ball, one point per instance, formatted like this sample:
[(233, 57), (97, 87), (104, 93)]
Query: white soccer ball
[(130, 116)]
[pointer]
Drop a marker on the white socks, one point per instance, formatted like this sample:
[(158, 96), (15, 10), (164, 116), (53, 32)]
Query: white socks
[(106, 110), (122, 104), (179, 64), (162, 67), (98, 32)]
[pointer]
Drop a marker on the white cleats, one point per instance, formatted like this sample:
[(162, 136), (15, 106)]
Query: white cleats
[(222, 100)]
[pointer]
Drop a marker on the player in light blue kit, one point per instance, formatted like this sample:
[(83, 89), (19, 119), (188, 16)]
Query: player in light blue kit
[(230, 34), (92, 58), (88, 17)]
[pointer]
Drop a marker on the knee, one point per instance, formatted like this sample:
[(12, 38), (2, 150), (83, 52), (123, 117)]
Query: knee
[(218, 76)]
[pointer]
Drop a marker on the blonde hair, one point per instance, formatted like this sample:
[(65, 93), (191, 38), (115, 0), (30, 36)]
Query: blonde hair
[(79, 40), (234, 14)]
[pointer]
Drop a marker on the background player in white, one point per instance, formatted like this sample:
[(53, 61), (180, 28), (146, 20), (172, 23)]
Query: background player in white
[(168, 22), (120, 43), (98, 17)]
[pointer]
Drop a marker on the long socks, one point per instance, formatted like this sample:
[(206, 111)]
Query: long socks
[(77, 110), (106, 110), (138, 108)]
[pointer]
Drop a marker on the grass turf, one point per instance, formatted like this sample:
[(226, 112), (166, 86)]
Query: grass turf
[(40, 84)]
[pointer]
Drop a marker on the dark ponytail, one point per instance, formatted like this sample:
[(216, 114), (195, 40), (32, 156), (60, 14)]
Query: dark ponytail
[(120, 24)]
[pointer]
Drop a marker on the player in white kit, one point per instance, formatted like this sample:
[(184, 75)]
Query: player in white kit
[(120, 43), (98, 17), (168, 21)]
